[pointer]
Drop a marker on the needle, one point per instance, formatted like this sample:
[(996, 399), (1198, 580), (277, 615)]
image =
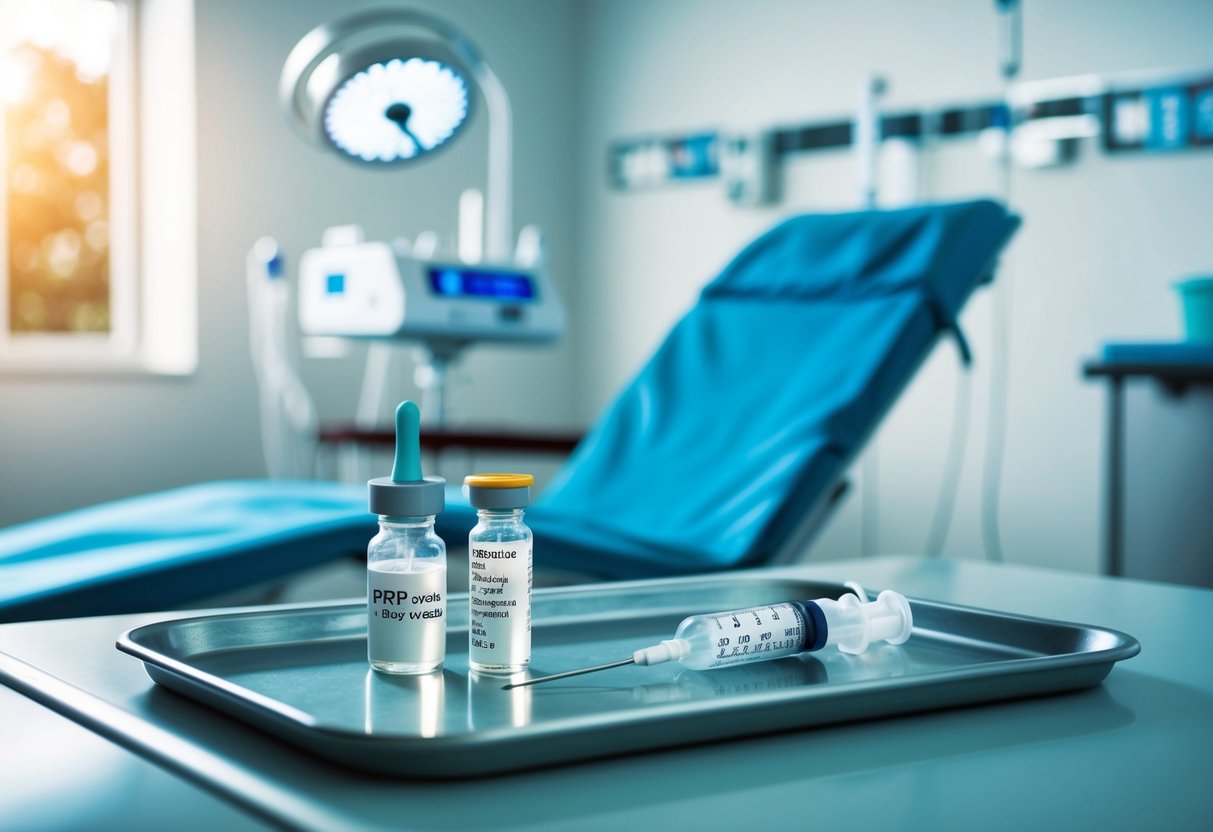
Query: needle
[(568, 673)]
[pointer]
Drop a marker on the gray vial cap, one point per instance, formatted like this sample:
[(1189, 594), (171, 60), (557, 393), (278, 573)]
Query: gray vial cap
[(419, 498)]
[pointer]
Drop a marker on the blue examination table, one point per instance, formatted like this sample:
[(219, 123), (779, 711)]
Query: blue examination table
[(711, 458)]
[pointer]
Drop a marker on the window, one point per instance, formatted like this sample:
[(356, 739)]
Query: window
[(75, 291)]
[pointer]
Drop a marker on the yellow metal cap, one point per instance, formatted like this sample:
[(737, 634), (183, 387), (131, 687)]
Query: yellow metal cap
[(499, 480)]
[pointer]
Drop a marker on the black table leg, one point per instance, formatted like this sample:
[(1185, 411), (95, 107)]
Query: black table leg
[(1114, 554)]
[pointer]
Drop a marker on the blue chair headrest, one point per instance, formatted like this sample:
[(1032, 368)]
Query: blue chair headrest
[(865, 254)]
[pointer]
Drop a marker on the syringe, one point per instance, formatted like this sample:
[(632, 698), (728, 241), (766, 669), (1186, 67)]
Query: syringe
[(758, 634)]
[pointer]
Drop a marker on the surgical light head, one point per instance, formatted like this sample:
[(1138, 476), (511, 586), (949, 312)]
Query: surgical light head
[(360, 88), (385, 87), (396, 111)]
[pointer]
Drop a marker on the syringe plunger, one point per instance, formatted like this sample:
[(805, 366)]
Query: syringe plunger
[(853, 625)]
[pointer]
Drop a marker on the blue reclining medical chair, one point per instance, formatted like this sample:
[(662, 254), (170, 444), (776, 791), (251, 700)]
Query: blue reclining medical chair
[(713, 457)]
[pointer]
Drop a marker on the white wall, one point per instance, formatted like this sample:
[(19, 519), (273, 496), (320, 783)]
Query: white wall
[(1101, 243), (67, 441)]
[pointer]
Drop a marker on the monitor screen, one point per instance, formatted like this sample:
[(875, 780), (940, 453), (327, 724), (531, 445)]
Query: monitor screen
[(490, 284)]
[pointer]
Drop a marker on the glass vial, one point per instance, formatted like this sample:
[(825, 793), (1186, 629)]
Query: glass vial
[(406, 561), (406, 596), (499, 583)]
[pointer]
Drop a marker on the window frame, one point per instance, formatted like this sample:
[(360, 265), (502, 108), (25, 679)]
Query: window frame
[(152, 210)]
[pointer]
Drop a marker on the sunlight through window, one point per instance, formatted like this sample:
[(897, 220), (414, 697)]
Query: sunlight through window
[(55, 64)]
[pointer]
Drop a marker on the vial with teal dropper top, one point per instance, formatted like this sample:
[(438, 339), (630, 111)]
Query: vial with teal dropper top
[(406, 561)]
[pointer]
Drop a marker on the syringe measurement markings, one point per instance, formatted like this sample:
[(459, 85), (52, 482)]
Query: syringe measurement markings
[(732, 617), (740, 639), (760, 647)]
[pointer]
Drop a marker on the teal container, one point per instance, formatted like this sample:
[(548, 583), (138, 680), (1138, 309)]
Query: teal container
[(1196, 298)]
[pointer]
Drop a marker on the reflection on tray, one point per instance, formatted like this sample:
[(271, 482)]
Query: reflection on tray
[(882, 662), (489, 706), (792, 672), (411, 705)]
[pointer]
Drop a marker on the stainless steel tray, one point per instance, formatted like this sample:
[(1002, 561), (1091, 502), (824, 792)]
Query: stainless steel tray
[(302, 675)]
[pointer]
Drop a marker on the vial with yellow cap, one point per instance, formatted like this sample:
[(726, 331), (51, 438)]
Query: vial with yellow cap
[(406, 561), (499, 583)]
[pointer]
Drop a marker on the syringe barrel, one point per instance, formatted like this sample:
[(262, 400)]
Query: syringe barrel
[(740, 636)]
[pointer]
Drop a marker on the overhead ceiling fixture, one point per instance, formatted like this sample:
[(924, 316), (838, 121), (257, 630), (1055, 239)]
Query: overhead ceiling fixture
[(389, 86)]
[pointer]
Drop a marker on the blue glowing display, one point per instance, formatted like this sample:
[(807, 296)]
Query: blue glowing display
[(481, 283)]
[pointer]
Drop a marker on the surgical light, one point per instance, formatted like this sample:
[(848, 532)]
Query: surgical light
[(385, 87), (396, 110)]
